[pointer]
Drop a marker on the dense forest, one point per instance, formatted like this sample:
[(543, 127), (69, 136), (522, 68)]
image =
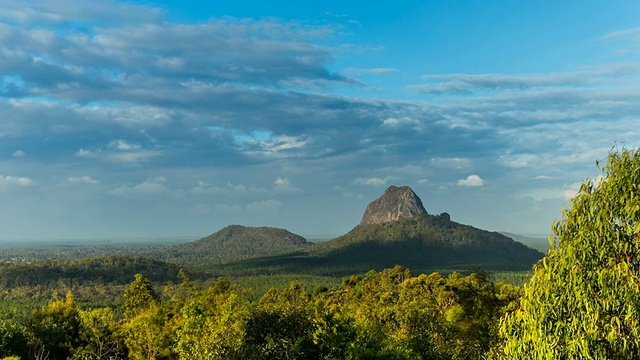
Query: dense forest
[(386, 315), (581, 301)]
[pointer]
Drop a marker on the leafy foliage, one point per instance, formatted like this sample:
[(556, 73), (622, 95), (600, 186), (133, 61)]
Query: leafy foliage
[(386, 315), (583, 300), (55, 328), (139, 296)]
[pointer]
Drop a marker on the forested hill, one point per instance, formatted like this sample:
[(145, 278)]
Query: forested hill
[(236, 242), (427, 242)]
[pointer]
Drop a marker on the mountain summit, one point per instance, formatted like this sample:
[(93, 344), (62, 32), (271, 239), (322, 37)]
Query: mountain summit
[(396, 203)]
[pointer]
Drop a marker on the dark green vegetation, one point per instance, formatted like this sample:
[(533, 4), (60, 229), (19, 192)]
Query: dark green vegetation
[(582, 301), (235, 242), (94, 280), (115, 269)]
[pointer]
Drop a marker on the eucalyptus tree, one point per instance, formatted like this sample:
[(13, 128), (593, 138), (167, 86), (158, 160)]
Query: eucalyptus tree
[(583, 300)]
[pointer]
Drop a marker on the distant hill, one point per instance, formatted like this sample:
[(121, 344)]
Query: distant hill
[(538, 243), (415, 239), (236, 242)]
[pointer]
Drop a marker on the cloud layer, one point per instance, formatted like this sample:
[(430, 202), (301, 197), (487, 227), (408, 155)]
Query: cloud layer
[(184, 127)]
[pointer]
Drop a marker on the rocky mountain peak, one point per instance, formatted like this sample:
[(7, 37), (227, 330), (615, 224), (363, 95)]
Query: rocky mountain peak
[(396, 203)]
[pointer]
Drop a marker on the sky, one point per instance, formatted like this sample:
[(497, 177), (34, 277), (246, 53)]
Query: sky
[(177, 118)]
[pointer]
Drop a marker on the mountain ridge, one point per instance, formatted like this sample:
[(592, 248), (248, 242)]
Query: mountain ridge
[(415, 239)]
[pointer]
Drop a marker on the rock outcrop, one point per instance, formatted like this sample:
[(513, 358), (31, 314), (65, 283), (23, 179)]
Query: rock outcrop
[(396, 203)]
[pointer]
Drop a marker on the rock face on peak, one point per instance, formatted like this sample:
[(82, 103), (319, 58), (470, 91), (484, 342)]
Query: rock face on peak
[(396, 203)]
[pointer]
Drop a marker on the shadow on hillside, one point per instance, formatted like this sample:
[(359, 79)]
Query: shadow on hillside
[(361, 257)]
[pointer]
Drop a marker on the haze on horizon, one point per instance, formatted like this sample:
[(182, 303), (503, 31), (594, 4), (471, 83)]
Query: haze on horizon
[(171, 118)]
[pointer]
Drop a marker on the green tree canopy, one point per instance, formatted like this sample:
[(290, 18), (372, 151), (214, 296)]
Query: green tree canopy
[(139, 296), (54, 328), (583, 301)]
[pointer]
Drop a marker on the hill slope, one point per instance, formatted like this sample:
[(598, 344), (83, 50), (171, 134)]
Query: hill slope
[(538, 243), (423, 243), (427, 242), (236, 242)]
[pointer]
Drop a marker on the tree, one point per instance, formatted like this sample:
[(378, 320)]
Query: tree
[(100, 334), (213, 324), (139, 296), (281, 327), (54, 329), (145, 334), (583, 300), (13, 339)]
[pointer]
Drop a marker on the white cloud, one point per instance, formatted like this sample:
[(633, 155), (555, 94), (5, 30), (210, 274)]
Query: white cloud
[(19, 154), (451, 163), (230, 190), (86, 154), (423, 182), (471, 181), (284, 186), (570, 190), (132, 157), (281, 182), (520, 160), (470, 83), (83, 179), (564, 191), (284, 143), (393, 122), (631, 33), (12, 181), (265, 206), (123, 145), (153, 187), (374, 181)]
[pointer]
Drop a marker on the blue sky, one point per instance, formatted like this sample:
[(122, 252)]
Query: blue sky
[(127, 119)]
